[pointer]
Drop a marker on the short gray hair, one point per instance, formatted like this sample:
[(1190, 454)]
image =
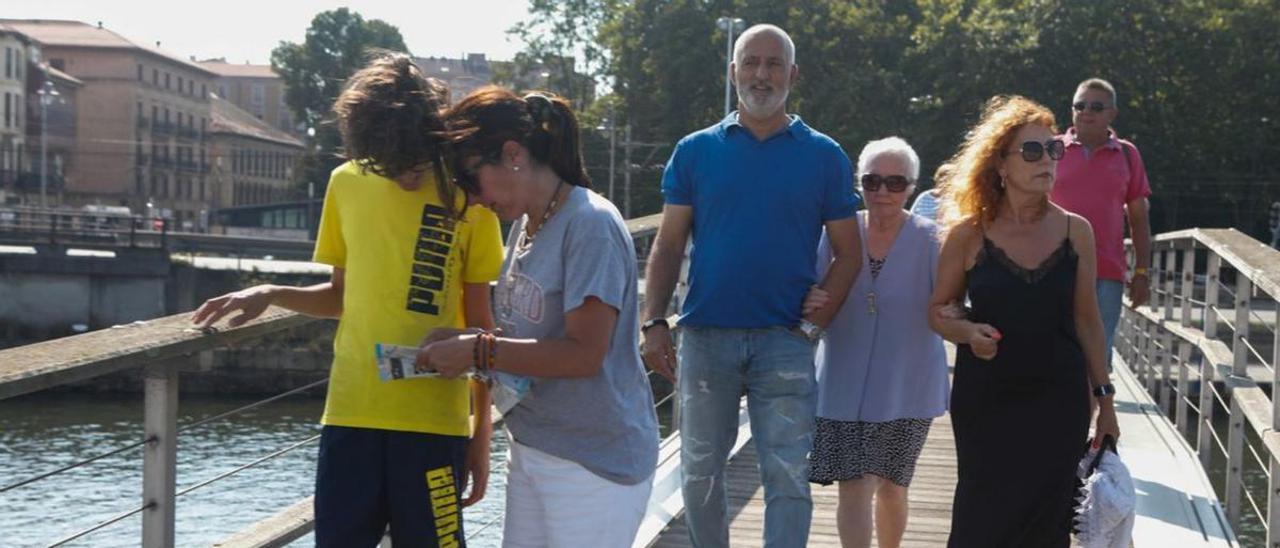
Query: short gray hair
[(750, 33), (894, 146), (1100, 85)]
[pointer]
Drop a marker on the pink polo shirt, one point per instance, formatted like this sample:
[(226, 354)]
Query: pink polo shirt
[(1096, 185)]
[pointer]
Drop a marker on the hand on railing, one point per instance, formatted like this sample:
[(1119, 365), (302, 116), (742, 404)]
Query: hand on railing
[(659, 352), (252, 302)]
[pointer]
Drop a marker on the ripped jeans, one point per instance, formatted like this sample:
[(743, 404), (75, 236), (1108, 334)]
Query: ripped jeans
[(774, 368)]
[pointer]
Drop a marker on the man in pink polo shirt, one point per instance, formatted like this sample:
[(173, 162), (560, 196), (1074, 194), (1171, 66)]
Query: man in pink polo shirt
[(1101, 177)]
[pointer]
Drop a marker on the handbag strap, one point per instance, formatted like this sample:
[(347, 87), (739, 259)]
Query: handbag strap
[(1108, 443)]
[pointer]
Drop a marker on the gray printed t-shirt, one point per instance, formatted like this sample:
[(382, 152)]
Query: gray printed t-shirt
[(605, 423)]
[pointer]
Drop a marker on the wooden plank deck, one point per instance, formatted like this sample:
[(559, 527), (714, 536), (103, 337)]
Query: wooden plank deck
[(929, 500)]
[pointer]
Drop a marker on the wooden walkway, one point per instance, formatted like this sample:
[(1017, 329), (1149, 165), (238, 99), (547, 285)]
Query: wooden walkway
[(929, 500)]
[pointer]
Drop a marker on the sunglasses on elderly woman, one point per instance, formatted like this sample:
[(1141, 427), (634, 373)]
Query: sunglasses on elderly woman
[(1093, 106), (894, 183), (1033, 151)]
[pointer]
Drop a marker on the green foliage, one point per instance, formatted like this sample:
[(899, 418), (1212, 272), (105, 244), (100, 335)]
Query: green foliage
[(337, 44), (1198, 80)]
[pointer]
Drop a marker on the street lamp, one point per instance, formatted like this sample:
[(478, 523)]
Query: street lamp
[(728, 24), (48, 94)]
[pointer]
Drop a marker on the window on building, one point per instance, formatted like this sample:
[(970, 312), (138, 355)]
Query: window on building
[(140, 71), (257, 95), (181, 85), (166, 115), (7, 111), (155, 81), (8, 62), (204, 91), (166, 81)]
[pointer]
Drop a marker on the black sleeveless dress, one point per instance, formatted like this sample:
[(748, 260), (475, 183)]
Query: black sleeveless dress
[(1021, 420)]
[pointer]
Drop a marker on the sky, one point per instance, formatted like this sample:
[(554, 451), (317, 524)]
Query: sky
[(246, 31)]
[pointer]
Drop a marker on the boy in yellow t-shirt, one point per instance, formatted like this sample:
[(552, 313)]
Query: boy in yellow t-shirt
[(399, 452)]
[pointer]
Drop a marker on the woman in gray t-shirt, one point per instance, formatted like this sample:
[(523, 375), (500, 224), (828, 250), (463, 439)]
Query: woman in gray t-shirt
[(585, 436)]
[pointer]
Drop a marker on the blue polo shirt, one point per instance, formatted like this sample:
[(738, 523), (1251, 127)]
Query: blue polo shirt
[(758, 211)]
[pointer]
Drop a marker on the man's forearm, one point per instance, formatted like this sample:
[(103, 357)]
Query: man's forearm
[(660, 280), (837, 283), (1142, 245)]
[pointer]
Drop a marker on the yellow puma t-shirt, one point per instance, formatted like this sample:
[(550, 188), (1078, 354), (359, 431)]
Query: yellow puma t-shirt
[(406, 259)]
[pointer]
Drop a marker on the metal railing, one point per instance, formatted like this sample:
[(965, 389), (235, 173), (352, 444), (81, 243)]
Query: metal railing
[(1199, 349), (160, 347)]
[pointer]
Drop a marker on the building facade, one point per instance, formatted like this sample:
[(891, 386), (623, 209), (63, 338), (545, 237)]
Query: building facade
[(256, 89), (253, 162), (141, 120), (13, 87)]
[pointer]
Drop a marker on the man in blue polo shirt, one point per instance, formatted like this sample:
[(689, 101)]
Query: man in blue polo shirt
[(755, 192)]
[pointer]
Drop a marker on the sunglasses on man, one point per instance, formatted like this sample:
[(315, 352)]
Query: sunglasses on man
[(1033, 151), (1093, 106), (871, 182)]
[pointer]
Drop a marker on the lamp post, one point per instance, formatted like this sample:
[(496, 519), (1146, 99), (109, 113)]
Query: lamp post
[(728, 24), (48, 94)]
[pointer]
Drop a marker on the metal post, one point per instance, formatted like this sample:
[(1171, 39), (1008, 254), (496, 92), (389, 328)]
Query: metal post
[(1153, 357), (44, 143), (1188, 284), (1181, 406), (1240, 352), (626, 175), (1210, 319), (728, 65), (1157, 276), (1235, 454), (613, 145), (159, 463), (1166, 357), (1273, 503), (1204, 430), (1166, 274)]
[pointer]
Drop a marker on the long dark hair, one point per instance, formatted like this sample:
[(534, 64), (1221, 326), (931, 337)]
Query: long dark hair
[(391, 117), (486, 119)]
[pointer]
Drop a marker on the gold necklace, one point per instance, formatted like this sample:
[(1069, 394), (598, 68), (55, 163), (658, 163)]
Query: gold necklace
[(527, 241)]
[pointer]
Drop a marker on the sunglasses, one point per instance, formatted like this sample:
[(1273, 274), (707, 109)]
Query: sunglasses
[(871, 182), (1095, 106), (467, 178), (1033, 151)]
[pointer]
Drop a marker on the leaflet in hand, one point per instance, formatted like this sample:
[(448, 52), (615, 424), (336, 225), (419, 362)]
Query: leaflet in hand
[(397, 362)]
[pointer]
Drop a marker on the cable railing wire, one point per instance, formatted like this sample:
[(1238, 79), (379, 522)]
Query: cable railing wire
[(244, 467), (75, 465), (152, 439), (99, 526)]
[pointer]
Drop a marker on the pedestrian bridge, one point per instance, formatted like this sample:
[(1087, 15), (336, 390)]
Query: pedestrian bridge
[(1194, 371)]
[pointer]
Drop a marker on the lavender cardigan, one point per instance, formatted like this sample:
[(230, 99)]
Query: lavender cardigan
[(887, 365)]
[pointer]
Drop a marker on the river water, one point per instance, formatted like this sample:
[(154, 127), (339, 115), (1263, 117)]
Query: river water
[(46, 431)]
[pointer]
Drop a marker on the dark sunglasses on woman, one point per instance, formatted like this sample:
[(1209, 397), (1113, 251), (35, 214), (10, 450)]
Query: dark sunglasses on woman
[(1094, 106), (1033, 151), (895, 183)]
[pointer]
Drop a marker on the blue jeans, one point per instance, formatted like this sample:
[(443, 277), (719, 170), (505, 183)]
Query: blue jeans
[(774, 368), (1110, 299)]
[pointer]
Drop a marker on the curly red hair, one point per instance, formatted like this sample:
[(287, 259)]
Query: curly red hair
[(971, 192)]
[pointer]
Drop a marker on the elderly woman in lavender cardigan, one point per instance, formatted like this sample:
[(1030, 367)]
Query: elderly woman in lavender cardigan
[(882, 373)]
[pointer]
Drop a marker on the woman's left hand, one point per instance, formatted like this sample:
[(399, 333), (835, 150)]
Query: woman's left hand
[(452, 357), (1107, 425)]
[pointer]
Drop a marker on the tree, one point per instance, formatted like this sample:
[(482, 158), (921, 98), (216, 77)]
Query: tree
[(337, 44)]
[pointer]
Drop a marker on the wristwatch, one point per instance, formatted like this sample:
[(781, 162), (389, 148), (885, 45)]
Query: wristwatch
[(1104, 390), (811, 331), (656, 321)]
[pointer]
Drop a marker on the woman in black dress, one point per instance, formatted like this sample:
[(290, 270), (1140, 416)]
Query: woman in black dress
[(1030, 351)]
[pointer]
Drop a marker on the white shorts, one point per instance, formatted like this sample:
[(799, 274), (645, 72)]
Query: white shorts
[(556, 503)]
